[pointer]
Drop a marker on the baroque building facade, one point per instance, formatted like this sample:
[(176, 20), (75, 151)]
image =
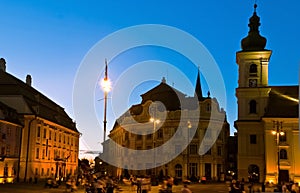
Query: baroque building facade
[(200, 145), (267, 124), (46, 140), (10, 130)]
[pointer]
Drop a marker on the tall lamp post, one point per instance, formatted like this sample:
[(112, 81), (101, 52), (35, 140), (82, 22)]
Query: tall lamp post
[(189, 125), (155, 122), (106, 86), (277, 130)]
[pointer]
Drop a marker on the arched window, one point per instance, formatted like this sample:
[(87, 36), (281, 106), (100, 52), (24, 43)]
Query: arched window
[(253, 171), (283, 154), (253, 69), (252, 106), (178, 171)]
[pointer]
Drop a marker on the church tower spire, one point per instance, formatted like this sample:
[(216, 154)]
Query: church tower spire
[(254, 41), (198, 89)]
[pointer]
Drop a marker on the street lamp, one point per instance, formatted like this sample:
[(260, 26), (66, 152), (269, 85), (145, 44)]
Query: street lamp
[(277, 126), (155, 122), (106, 86), (189, 125)]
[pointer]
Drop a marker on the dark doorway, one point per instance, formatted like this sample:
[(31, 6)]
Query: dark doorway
[(284, 176), (208, 171), (253, 171)]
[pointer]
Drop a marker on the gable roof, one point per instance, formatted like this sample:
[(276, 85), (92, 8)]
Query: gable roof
[(13, 89), (283, 102)]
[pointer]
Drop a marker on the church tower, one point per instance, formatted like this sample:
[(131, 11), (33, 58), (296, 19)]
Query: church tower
[(252, 97)]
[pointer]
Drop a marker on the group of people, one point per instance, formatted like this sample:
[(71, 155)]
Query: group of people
[(237, 186), (101, 185), (140, 184), (290, 187)]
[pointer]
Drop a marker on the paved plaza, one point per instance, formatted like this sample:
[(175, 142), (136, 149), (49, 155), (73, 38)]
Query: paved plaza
[(196, 188)]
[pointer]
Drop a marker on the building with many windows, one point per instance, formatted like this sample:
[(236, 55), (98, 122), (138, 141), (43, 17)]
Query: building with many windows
[(168, 113), (10, 137), (268, 123), (46, 139)]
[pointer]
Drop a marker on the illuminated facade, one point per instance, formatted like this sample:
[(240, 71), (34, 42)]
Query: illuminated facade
[(162, 101), (10, 135), (49, 144), (265, 110)]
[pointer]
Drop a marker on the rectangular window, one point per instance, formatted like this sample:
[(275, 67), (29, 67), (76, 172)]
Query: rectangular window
[(2, 150), (193, 149), (193, 169), (139, 137), (160, 134), (38, 131), (252, 139), (54, 136), (149, 136), (50, 135), (45, 133), (282, 138), (43, 154), (177, 149), (8, 131), (208, 151), (37, 153), (208, 133), (219, 151), (8, 150)]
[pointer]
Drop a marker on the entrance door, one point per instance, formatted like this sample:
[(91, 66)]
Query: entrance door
[(208, 171), (284, 176)]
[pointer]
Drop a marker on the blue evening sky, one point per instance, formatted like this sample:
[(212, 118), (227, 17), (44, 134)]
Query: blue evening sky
[(49, 39)]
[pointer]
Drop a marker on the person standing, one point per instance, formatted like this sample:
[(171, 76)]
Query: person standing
[(169, 183), (185, 189)]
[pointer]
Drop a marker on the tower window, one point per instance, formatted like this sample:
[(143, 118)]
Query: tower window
[(252, 139), (253, 69), (252, 106), (283, 154), (282, 138)]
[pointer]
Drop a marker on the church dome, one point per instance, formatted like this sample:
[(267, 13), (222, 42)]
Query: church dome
[(254, 41)]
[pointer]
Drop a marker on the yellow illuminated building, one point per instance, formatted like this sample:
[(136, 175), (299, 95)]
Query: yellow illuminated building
[(167, 111), (267, 124), (10, 135), (46, 140)]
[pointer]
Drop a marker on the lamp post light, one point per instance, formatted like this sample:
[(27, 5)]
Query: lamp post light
[(277, 130), (189, 125), (155, 122), (106, 86)]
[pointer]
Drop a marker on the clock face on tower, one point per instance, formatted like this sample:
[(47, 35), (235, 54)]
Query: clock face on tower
[(252, 82)]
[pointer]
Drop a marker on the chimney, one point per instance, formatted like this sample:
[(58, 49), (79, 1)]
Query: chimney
[(2, 64), (28, 80)]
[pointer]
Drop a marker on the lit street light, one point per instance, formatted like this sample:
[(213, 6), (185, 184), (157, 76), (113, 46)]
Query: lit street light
[(155, 122), (278, 132), (189, 126), (106, 86)]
